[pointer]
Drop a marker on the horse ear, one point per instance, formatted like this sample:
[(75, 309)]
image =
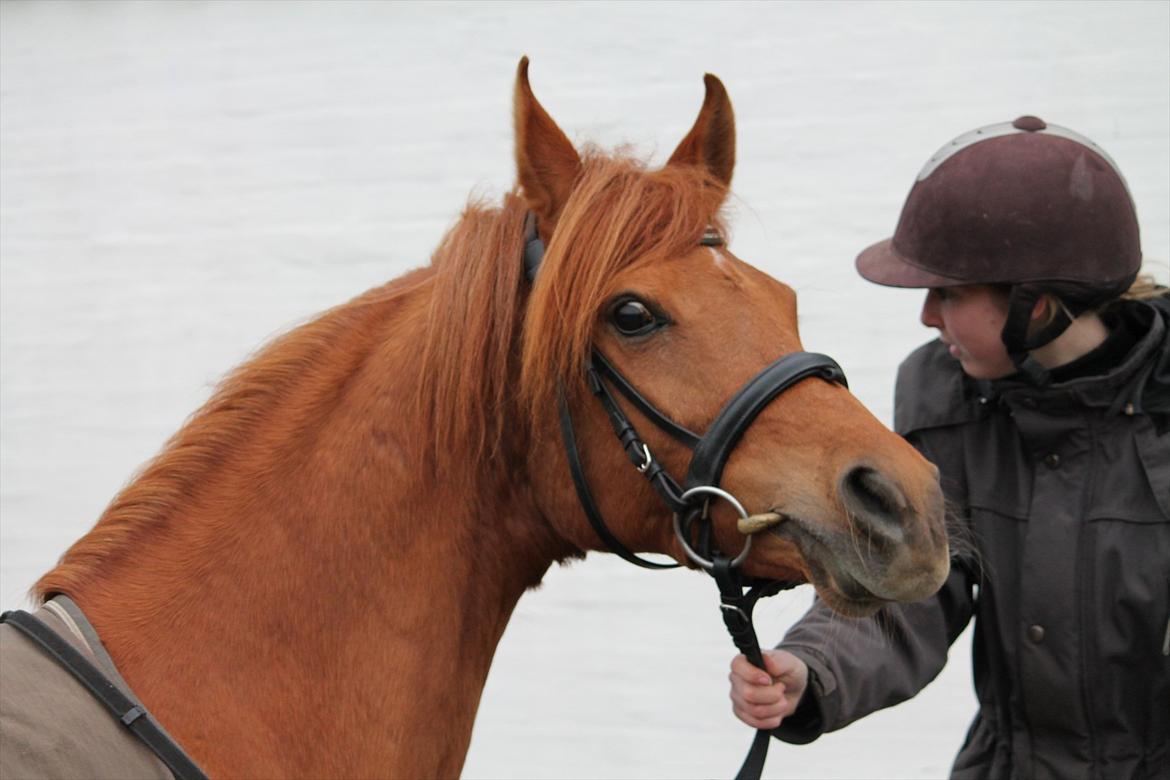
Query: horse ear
[(547, 165), (711, 142)]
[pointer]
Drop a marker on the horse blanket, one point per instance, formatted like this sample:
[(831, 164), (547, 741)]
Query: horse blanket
[(50, 725)]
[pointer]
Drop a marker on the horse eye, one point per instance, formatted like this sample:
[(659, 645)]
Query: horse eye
[(633, 318)]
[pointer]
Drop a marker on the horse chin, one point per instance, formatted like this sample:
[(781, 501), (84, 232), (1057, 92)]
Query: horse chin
[(774, 557), (841, 592), (849, 606)]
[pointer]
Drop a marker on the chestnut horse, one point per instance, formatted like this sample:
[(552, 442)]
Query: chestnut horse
[(313, 575)]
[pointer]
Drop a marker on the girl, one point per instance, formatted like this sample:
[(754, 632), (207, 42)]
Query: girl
[(1045, 403)]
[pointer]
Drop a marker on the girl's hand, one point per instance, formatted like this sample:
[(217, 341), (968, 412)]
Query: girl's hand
[(763, 699)]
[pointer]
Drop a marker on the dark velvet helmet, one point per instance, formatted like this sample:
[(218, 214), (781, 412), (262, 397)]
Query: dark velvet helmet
[(1032, 206), (1012, 203)]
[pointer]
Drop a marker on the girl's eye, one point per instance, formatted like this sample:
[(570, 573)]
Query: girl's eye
[(633, 318)]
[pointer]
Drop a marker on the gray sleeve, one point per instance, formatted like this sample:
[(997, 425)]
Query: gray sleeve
[(859, 666)]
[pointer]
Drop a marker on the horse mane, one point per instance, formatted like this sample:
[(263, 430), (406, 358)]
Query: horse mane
[(492, 349), (241, 403), (619, 216), (498, 348)]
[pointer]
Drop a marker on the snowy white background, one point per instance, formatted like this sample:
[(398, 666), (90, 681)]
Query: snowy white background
[(181, 181)]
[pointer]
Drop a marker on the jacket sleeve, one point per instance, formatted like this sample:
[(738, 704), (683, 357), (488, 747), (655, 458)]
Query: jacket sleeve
[(858, 666)]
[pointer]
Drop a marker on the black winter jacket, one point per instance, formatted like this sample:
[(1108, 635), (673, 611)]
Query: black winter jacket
[(1063, 495)]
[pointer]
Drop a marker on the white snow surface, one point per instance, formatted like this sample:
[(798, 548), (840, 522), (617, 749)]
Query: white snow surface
[(181, 181)]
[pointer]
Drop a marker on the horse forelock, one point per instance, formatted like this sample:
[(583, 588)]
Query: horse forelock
[(620, 215), (496, 348)]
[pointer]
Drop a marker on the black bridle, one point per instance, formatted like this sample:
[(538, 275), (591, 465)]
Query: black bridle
[(690, 501)]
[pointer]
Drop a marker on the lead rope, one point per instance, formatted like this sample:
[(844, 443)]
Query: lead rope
[(735, 604), (736, 607)]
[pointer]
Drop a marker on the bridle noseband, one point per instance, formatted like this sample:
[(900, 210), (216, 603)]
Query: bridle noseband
[(690, 501)]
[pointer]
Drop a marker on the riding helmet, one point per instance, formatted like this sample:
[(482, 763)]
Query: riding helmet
[(1034, 206)]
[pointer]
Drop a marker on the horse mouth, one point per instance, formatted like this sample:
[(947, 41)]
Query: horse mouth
[(844, 595), (834, 585)]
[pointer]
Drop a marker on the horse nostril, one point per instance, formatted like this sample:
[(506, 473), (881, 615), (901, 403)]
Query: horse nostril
[(876, 504)]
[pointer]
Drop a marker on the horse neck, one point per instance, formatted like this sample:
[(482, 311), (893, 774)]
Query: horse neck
[(321, 576)]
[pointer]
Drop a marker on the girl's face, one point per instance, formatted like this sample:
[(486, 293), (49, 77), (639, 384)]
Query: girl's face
[(970, 319)]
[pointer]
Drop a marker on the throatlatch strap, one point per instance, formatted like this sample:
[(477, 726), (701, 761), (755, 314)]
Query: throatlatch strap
[(586, 497), (132, 716)]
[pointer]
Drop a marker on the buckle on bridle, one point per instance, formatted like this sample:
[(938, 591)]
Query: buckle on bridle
[(648, 459), (732, 609)]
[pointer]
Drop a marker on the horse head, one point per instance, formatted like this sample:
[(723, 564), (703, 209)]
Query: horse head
[(635, 268)]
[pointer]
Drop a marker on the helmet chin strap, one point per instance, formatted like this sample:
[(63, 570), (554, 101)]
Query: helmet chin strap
[(1015, 336)]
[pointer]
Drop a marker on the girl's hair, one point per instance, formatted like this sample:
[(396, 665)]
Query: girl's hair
[(1143, 288)]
